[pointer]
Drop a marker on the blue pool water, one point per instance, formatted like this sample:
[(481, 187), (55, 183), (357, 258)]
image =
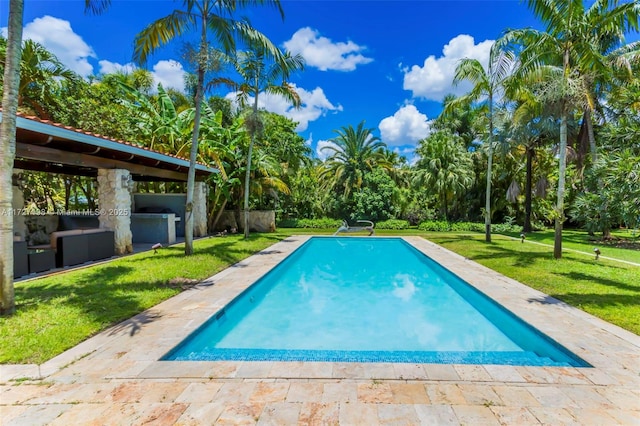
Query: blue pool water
[(368, 300)]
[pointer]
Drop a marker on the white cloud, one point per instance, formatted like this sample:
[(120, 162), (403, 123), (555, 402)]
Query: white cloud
[(324, 154), (435, 79), (406, 127), (60, 39), (324, 54), (314, 105), (170, 73), (108, 67)]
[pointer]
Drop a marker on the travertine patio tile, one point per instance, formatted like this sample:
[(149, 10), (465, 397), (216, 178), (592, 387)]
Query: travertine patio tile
[(445, 394), (319, 413), (598, 376), (625, 417), (235, 392), (409, 393), (147, 391), (223, 369), (316, 370), (357, 413), (475, 415), (286, 369), (436, 415), (254, 369), (587, 416), (397, 414), (587, 397), (270, 392), (10, 412), (514, 416), (515, 396), (347, 370), (81, 414), (378, 370), (199, 392), (168, 369), (241, 413), (553, 416), (22, 393), (36, 415), (54, 394), (410, 371), (375, 392), (280, 413), (623, 398), (441, 372), (198, 414), (504, 373), (551, 396), (305, 392), (472, 373), (343, 391), (566, 375), (479, 394)]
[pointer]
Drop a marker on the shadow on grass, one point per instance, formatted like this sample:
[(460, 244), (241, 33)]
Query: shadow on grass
[(581, 276), (588, 299), (136, 323)]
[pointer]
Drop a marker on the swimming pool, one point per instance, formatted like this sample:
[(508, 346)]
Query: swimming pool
[(367, 300)]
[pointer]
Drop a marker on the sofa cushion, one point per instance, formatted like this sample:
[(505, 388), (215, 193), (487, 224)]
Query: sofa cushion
[(55, 235)]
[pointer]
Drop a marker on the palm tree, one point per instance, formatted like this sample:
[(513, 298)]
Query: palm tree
[(486, 82), (354, 152), (11, 82), (203, 15), (571, 45), (444, 165), (40, 73), (260, 73)]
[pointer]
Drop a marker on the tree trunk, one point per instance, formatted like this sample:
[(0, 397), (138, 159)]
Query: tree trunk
[(254, 129), (592, 136), (8, 153), (557, 246), (219, 214), (528, 188), (193, 156), (487, 197)]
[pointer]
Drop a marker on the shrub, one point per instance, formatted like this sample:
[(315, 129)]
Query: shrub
[(288, 223), (435, 226), (395, 224), (323, 223)]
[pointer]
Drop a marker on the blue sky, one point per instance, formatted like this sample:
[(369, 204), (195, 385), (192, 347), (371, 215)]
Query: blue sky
[(388, 63)]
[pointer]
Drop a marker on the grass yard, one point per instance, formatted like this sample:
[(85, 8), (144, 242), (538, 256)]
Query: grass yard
[(59, 311)]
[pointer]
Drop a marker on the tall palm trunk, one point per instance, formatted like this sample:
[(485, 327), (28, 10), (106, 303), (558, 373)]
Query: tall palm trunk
[(193, 155), (487, 199), (254, 129), (562, 168), (528, 188), (8, 152), (557, 247)]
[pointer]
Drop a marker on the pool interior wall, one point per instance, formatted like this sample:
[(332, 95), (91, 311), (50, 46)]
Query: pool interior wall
[(534, 348)]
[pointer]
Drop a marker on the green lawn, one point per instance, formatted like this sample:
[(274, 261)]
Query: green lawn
[(57, 312)]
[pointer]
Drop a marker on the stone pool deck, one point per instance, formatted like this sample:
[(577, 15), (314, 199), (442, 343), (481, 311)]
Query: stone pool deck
[(115, 378)]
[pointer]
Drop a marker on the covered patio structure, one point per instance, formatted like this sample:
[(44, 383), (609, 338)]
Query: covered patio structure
[(50, 147)]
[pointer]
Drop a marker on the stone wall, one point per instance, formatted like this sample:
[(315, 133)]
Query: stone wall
[(259, 221), (38, 228), (114, 196)]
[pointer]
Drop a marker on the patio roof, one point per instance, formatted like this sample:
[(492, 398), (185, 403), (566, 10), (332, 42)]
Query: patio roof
[(42, 145)]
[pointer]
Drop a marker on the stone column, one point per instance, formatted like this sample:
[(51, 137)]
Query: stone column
[(114, 198), (200, 193)]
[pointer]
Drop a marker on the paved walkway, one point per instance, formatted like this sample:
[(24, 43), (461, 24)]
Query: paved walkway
[(116, 378)]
